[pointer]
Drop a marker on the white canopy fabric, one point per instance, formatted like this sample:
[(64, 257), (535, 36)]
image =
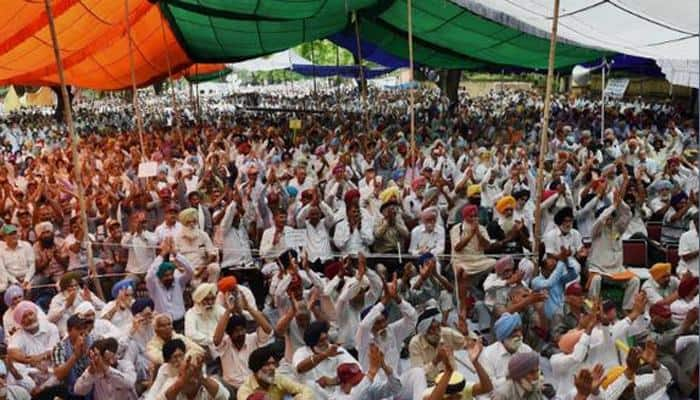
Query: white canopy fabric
[(657, 29), (681, 72), (281, 60)]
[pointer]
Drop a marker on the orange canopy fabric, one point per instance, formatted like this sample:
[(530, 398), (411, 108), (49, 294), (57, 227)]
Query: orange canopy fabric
[(200, 69), (93, 42)]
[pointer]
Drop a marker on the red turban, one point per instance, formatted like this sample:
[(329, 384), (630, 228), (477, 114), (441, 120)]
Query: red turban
[(227, 284), (470, 210), (574, 289), (660, 310), (687, 285), (351, 195)]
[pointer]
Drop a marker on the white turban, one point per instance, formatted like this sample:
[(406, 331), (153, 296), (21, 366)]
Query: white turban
[(202, 291), (84, 308)]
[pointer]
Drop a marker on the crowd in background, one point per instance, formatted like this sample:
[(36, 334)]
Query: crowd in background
[(228, 255)]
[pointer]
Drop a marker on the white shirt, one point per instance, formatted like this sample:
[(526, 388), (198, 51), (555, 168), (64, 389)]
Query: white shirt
[(680, 308), (554, 240), (200, 324), (142, 251), (16, 264), (564, 366), (59, 312), (347, 317), (433, 241), (357, 241), (494, 358), (236, 244), (122, 319), (234, 362), (602, 344), (196, 251), (164, 230), (687, 244), (37, 343), (270, 250), (327, 367), (318, 242)]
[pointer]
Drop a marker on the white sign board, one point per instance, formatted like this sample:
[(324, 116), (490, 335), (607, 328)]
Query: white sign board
[(295, 238), (616, 88), (148, 169)]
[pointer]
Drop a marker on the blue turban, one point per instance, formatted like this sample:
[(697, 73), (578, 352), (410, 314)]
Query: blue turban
[(677, 198), (122, 284), (425, 257), (506, 324), (398, 174), (663, 184), (11, 293), (140, 305), (165, 267), (292, 191)]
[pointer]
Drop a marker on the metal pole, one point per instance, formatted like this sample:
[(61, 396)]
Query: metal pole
[(74, 149), (602, 96), (363, 82), (313, 64), (412, 99), (543, 137)]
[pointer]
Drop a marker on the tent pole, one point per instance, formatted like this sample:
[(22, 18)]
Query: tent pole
[(74, 149), (543, 137), (412, 99), (363, 82), (135, 97), (602, 97), (313, 65)]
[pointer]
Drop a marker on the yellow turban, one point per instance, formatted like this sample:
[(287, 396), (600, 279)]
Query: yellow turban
[(612, 375), (659, 269), (473, 190), (202, 291), (505, 202), (187, 214), (389, 193)]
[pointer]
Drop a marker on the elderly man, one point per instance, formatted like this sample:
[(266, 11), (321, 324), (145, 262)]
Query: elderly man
[(390, 232), (118, 311), (196, 246), (136, 340), (507, 228), (64, 304), (263, 362), (428, 237), (17, 263), (428, 284), (662, 287), (509, 342), (191, 383), (469, 243), (166, 284), (523, 381), (202, 318), (51, 263), (33, 345), (163, 329), (354, 233)]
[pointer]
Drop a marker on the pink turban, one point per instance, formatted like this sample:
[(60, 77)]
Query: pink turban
[(22, 309), (470, 210), (569, 340), (418, 182), (503, 263)]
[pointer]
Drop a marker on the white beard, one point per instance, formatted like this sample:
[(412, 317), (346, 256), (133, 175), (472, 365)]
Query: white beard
[(506, 224), (188, 233)]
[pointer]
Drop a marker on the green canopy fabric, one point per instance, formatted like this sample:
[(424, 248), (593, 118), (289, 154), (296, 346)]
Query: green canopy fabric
[(445, 34)]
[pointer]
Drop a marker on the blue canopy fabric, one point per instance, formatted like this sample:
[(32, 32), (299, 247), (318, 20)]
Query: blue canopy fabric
[(346, 71)]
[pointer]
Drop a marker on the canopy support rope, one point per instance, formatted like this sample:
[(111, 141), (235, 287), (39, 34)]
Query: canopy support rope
[(176, 110), (543, 138), (68, 113), (412, 95), (135, 97)]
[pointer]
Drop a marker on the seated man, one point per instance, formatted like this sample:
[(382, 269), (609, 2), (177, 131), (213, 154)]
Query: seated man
[(163, 327), (195, 245), (263, 362)]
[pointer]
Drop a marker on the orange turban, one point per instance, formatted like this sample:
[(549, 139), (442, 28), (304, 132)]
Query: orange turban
[(659, 269), (504, 203), (227, 284)]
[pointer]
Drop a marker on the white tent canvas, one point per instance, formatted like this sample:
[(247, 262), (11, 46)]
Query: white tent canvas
[(276, 61)]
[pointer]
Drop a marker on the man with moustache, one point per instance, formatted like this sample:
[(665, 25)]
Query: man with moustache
[(134, 343), (196, 246), (202, 318), (263, 363), (234, 345)]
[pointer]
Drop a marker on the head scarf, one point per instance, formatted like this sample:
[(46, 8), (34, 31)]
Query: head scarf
[(398, 174), (426, 319), (12, 292), (504, 203), (687, 285), (522, 364), (67, 278), (164, 268), (569, 340), (122, 284), (612, 375), (503, 263), (202, 291), (659, 269), (21, 310), (506, 324), (292, 191), (43, 227), (227, 284), (469, 210), (141, 304), (473, 190), (660, 310), (187, 215)]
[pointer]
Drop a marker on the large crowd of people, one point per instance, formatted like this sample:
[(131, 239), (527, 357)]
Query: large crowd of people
[(254, 252)]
